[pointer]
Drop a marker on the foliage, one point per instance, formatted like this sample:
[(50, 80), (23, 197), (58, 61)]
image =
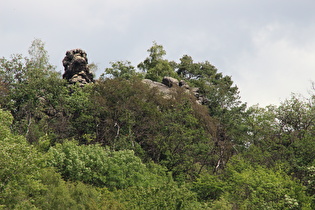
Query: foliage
[(155, 66), (283, 135), (129, 115), (118, 144), (92, 164), (168, 196), (222, 98), (19, 163), (34, 92), (251, 187), (122, 69), (58, 194), (208, 187)]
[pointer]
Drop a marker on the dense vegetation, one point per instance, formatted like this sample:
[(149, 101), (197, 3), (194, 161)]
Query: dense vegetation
[(117, 144)]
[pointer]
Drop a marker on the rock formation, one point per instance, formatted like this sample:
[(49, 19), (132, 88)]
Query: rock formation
[(76, 67), (170, 81), (168, 85)]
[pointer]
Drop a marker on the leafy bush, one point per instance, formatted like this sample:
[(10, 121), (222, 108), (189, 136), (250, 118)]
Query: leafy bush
[(249, 187), (19, 164), (101, 167), (168, 196)]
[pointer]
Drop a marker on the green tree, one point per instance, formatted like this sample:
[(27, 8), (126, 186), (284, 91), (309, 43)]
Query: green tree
[(251, 187), (125, 113), (27, 183), (155, 66), (92, 164), (222, 98), (176, 133), (208, 187), (19, 165), (283, 136), (38, 56), (183, 140), (59, 194), (167, 196), (122, 69), (35, 92)]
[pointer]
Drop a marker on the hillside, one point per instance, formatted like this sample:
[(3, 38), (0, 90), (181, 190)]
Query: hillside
[(162, 135)]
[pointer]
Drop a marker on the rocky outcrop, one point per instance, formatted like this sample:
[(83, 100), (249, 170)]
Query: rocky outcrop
[(168, 86), (76, 67), (160, 87), (170, 81)]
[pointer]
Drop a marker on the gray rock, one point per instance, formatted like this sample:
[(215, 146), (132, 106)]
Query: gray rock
[(76, 67), (168, 86), (159, 86), (170, 81), (183, 84)]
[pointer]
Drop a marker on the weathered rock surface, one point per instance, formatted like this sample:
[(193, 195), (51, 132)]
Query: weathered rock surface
[(170, 81), (76, 67), (168, 86)]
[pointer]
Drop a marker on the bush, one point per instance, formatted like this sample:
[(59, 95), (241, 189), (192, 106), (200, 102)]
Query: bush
[(93, 164)]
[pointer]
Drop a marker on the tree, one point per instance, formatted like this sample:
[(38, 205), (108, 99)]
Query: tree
[(34, 92), (19, 165), (251, 186), (283, 135), (167, 196), (155, 66), (95, 165), (38, 56), (222, 98), (122, 69)]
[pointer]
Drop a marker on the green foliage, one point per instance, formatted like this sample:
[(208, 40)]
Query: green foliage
[(95, 165), (129, 115), (78, 121), (19, 163), (25, 183), (208, 187), (141, 150), (38, 56), (34, 92), (219, 91), (126, 113), (58, 194), (222, 98), (121, 69), (283, 135), (168, 196), (251, 187), (182, 140), (155, 66)]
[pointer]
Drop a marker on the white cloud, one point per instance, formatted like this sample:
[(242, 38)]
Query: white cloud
[(266, 46), (277, 68)]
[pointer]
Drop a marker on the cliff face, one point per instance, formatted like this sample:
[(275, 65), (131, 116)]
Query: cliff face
[(76, 67)]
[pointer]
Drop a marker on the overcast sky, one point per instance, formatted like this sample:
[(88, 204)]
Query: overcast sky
[(267, 46)]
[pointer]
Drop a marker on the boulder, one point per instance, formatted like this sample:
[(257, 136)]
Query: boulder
[(159, 86), (183, 84), (170, 81)]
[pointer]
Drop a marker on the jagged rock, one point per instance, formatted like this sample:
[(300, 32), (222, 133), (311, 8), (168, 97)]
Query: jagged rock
[(76, 67), (170, 81)]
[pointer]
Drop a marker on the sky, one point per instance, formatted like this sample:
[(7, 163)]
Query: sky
[(266, 46)]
